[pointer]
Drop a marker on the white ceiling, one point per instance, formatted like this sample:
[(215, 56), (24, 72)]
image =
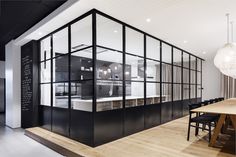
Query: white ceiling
[(195, 25)]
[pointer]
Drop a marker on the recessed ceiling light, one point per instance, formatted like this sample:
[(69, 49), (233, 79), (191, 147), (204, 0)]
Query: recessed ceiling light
[(115, 31), (148, 20), (185, 41), (204, 52), (40, 33)]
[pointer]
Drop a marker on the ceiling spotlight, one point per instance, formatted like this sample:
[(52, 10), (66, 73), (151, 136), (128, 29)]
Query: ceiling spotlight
[(40, 33), (204, 52), (148, 20), (185, 41), (115, 31)]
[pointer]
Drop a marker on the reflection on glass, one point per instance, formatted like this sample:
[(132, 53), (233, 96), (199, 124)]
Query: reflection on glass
[(60, 70), (185, 60), (134, 68), (82, 95), (153, 48), (153, 71), (166, 72), (60, 42), (166, 92), (177, 57), (186, 91), (199, 79), (110, 68), (45, 71), (60, 95), (45, 49), (81, 34), (199, 90), (166, 53), (45, 94), (134, 42), (134, 94), (177, 74), (185, 75), (82, 65), (152, 93), (109, 33), (109, 95), (177, 92), (193, 63), (193, 91), (193, 77)]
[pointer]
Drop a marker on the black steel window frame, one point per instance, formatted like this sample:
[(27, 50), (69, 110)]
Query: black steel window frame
[(94, 45)]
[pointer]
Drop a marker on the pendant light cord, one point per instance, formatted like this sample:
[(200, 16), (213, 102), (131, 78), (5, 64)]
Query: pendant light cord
[(227, 15)]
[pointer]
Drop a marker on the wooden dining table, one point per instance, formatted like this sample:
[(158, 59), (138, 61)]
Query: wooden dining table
[(226, 108)]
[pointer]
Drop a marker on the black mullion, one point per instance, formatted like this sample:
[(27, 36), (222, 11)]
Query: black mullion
[(196, 79), (182, 79), (201, 79), (161, 72), (51, 43), (69, 77), (145, 76), (189, 62), (124, 78), (172, 79)]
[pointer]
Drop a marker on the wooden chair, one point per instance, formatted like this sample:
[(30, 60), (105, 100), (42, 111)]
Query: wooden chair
[(199, 119)]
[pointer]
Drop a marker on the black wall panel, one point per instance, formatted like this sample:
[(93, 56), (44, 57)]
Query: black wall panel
[(152, 115), (177, 109), (81, 128), (185, 107), (60, 121), (45, 117), (134, 120), (166, 112), (108, 126)]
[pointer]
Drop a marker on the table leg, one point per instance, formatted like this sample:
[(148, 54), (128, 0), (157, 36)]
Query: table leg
[(233, 119), (217, 129)]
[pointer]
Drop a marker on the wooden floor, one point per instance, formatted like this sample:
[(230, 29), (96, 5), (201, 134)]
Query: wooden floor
[(168, 140)]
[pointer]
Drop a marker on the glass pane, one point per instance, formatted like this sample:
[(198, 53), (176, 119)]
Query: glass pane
[(193, 91), (82, 65), (193, 77), (81, 34), (185, 91), (109, 33), (193, 63), (166, 72), (110, 68), (199, 64), (177, 57), (166, 53), (177, 92), (109, 95), (166, 92), (153, 71), (185, 75), (185, 60), (199, 78), (177, 74), (135, 67), (45, 93), (45, 48), (134, 42), (152, 93), (60, 69), (153, 48), (81, 95), (60, 95), (45, 71), (60, 42), (134, 94), (199, 90)]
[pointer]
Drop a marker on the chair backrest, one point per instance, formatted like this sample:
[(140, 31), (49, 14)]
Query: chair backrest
[(211, 101), (206, 102), (191, 107)]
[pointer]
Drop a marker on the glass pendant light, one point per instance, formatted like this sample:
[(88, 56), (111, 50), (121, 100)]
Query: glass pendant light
[(225, 59)]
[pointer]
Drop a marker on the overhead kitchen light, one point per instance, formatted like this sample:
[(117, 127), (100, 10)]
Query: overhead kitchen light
[(148, 20), (225, 59)]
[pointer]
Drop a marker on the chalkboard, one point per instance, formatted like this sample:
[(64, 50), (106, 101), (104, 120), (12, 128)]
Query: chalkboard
[(29, 84)]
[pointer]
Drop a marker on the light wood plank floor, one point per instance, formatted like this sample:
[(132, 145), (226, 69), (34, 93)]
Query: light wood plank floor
[(168, 140)]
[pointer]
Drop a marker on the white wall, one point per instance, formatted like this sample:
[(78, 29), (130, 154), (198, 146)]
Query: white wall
[(211, 80), (13, 85), (2, 69)]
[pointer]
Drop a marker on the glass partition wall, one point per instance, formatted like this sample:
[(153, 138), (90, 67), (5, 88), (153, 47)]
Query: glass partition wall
[(99, 74)]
